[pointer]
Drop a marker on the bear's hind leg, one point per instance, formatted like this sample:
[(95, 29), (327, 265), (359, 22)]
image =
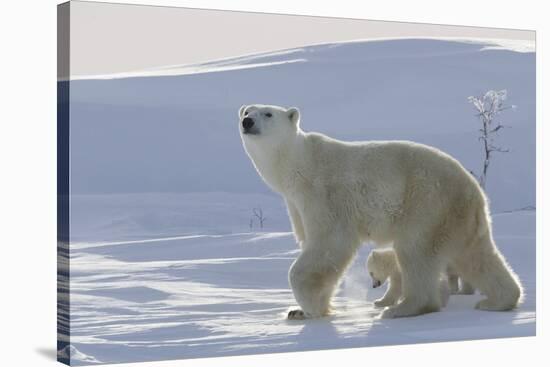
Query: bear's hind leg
[(420, 272), (486, 269)]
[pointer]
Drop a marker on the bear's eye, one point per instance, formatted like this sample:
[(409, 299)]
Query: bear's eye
[(268, 114)]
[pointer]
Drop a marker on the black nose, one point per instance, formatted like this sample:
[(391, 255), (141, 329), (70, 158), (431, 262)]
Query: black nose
[(247, 123)]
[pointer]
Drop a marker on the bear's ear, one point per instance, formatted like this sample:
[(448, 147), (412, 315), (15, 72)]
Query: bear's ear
[(241, 110), (293, 115), (374, 256)]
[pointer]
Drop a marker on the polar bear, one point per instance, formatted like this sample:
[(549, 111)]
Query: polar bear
[(342, 194), (382, 265)]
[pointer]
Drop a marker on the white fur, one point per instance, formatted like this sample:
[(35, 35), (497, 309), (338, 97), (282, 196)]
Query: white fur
[(382, 265), (341, 194)]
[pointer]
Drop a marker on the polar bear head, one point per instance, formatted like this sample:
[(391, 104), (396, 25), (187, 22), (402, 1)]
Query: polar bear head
[(268, 124), (381, 265), (270, 133)]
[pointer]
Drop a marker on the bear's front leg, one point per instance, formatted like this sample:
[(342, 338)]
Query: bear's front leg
[(393, 293), (314, 275), (296, 221)]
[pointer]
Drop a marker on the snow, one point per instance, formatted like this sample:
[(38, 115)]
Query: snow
[(220, 295), (164, 263), (179, 133), (237, 63)]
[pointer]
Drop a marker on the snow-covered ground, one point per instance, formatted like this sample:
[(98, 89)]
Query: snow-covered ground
[(219, 295), (166, 258)]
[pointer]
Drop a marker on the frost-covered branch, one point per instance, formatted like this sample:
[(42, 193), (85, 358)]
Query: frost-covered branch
[(489, 106)]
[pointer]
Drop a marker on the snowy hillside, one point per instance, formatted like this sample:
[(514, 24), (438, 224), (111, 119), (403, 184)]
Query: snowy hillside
[(167, 259), (179, 133)]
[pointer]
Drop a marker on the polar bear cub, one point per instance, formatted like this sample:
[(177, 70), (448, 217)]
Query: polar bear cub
[(382, 265), (342, 194)]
